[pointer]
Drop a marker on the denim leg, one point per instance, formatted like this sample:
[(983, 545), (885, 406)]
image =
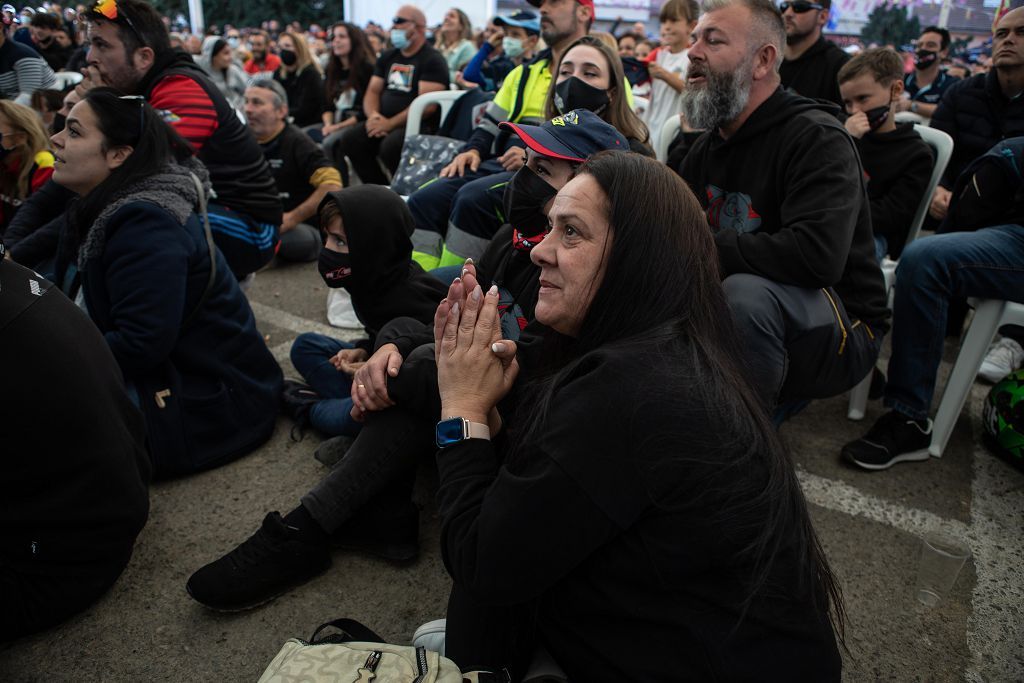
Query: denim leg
[(311, 355), (333, 417), (988, 263)]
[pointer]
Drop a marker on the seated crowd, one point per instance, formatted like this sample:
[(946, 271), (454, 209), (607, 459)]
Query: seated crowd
[(548, 277)]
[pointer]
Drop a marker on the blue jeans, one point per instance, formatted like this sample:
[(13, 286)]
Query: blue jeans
[(311, 354), (933, 271)]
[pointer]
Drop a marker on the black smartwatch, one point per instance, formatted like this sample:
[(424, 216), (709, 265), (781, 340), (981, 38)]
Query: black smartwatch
[(457, 429)]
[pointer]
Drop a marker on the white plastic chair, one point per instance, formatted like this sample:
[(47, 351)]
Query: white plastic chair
[(444, 98), (942, 146), (66, 79), (666, 136), (641, 104), (989, 316)]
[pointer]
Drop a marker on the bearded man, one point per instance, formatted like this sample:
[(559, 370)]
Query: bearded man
[(784, 192)]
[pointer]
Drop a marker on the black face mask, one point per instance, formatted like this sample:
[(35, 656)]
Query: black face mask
[(59, 121), (572, 93), (335, 268), (524, 200), (877, 116), (288, 57), (925, 58)]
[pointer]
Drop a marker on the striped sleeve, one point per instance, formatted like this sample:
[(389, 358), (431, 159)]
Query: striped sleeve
[(193, 113), (33, 74)]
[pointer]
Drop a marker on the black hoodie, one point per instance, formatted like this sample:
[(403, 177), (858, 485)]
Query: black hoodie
[(785, 196), (897, 167), (385, 282), (815, 73)]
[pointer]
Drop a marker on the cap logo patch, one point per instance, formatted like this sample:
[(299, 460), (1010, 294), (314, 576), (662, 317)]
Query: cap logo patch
[(572, 117)]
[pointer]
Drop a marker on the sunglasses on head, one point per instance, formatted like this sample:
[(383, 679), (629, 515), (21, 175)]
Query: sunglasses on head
[(799, 6), (398, 21), (108, 10)]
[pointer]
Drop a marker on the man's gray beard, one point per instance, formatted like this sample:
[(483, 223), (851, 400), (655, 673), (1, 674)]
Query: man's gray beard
[(721, 99)]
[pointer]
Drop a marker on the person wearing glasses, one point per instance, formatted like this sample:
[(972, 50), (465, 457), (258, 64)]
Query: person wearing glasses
[(784, 189), (410, 69), (811, 63), (129, 50)]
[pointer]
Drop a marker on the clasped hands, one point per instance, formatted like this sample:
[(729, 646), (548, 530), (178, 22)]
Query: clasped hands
[(476, 368)]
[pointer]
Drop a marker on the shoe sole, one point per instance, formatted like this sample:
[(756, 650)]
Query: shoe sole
[(248, 606), (912, 456)]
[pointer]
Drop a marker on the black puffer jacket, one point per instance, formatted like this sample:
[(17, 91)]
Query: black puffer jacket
[(977, 115)]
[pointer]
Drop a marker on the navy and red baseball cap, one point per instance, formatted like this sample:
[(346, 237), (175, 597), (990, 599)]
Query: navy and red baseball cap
[(585, 3), (573, 136)]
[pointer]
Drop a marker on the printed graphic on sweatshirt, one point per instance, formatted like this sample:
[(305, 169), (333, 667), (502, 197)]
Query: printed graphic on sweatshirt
[(400, 77), (731, 210)]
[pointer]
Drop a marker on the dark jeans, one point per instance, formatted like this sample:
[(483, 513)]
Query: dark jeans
[(33, 602), (364, 152), (489, 637), (798, 343), (932, 271), (388, 449), (311, 354)]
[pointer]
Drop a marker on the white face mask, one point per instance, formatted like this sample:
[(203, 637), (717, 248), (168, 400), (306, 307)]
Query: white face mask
[(513, 47)]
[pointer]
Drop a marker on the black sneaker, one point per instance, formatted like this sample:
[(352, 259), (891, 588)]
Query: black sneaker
[(386, 529), (267, 565), (297, 399), (893, 438)]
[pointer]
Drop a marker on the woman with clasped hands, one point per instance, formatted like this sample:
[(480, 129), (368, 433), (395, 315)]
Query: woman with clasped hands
[(630, 510)]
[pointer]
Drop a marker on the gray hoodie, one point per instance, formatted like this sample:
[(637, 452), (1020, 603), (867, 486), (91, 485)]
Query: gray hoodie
[(231, 81)]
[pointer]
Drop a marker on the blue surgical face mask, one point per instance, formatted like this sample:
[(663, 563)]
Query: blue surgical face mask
[(513, 47), (399, 39)]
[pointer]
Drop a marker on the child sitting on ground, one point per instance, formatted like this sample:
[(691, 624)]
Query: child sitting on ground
[(897, 162)]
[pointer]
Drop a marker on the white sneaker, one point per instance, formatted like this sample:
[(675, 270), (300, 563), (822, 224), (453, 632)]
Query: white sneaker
[(431, 635), (1002, 358)]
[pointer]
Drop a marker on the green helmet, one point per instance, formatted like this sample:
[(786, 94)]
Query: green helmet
[(1003, 418)]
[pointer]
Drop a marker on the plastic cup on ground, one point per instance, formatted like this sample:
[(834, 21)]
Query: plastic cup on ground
[(942, 558)]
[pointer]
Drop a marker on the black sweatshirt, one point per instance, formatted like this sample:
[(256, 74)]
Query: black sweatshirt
[(785, 196), (74, 467), (815, 73), (615, 527), (897, 167)]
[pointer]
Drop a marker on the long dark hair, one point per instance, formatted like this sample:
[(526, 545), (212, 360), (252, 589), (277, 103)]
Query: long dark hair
[(617, 113), (127, 122), (360, 58), (661, 289)]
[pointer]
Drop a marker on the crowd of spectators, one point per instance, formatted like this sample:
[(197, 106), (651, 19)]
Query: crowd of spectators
[(547, 276)]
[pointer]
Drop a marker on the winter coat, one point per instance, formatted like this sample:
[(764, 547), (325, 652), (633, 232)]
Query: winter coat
[(205, 380)]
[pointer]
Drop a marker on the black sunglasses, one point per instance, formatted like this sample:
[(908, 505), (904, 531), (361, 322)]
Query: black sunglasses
[(398, 21), (799, 6)]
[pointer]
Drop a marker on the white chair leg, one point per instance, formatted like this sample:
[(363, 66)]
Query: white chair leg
[(972, 352), (859, 398)]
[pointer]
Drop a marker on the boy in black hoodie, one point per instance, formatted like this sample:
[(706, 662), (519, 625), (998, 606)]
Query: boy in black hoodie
[(784, 191), (897, 162)]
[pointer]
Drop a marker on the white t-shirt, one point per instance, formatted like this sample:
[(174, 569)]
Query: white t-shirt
[(665, 101)]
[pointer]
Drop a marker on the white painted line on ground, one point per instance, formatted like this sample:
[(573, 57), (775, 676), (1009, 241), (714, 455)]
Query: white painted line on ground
[(842, 497)]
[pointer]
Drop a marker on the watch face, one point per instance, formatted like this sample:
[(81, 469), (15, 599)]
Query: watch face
[(449, 432)]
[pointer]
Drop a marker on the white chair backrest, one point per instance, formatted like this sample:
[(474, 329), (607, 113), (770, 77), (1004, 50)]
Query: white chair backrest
[(911, 117), (666, 136), (66, 79), (942, 146), (445, 98), (640, 105)]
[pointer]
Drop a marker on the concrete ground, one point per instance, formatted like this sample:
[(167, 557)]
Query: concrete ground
[(148, 629)]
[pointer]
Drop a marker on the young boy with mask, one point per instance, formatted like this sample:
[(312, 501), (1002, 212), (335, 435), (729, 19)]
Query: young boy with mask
[(367, 251), (516, 35), (897, 162)]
